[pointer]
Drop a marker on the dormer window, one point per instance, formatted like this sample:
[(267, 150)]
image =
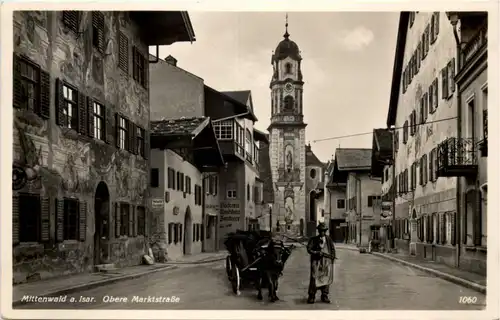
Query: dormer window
[(288, 68)]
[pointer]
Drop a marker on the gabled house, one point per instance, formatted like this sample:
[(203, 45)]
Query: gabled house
[(81, 133), (184, 152), (335, 204), (363, 193)]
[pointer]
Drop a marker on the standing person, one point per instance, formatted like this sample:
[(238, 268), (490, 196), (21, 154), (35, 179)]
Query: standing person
[(322, 251)]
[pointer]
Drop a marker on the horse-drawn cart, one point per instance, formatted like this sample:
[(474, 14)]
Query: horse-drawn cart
[(249, 252)]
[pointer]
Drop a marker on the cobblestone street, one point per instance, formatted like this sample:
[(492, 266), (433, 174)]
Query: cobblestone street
[(362, 282)]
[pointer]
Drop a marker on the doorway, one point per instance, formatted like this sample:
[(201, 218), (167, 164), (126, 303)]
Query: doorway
[(188, 232), (101, 212)]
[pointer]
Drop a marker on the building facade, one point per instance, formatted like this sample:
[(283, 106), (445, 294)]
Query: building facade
[(81, 128), (335, 205), (423, 103), (287, 135), (471, 171), (363, 193), (184, 152)]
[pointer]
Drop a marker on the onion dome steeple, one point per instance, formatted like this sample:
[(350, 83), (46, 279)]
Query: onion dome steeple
[(287, 48)]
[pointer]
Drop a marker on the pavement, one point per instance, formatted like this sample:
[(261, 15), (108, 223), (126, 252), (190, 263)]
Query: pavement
[(362, 282), (85, 281)]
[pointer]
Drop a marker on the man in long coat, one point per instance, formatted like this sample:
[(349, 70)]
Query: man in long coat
[(322, 251)]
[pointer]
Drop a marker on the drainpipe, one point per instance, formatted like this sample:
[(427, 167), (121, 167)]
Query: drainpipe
[(156, 57), (458, 224)]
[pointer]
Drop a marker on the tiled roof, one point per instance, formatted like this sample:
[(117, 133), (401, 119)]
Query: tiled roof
[(265, 174), (311, 159), (383, 139), (240, 96), (353, 158), (181, 126)]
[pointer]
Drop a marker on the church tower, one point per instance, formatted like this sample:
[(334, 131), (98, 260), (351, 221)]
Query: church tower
[(287, 137)]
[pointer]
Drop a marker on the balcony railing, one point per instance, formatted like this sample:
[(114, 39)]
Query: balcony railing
[(474, 45), (457, 157)]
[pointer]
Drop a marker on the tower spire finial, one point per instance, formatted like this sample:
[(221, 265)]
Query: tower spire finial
[(286, 35)]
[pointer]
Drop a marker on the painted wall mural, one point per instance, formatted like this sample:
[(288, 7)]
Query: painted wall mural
[(72, 164)]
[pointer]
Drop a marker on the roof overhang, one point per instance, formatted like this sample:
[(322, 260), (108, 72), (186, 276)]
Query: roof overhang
[(260, 136), (397, 68), (380, 156), (164, 27)]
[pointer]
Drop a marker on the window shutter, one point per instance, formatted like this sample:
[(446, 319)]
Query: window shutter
[(44, 94), (132, 137), (433, 26), (146, 71), (146, 144), (117, 220), (180, 232), (438, 227), (123, 52), (134, 63), (431, 165), (117, 130), (71, 19), (15, 219), (130, 221), (477, 218), (436, 22), (82, 228), (453, 218), (464, 220), (90, 117), (98, 25), (444, 83), (17, 86), (135, 221), (60, 118), (443, 223), (59, 220), (82, 114), (45, 220), (202, 232), (451, 76), (436, 94)]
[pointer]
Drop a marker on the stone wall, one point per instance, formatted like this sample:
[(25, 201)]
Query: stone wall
[(72, 164)]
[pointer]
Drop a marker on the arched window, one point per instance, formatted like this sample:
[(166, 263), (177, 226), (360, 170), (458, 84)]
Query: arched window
[(288, 68), (289, 103), (248, 142)]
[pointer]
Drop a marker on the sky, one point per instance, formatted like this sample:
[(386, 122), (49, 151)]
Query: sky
[(347, 66)]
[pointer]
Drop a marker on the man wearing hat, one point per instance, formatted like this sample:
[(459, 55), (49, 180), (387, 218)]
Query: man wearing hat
[(322, 251)]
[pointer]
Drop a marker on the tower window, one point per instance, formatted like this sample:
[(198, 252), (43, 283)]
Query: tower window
[(288, 68), (289, 103)]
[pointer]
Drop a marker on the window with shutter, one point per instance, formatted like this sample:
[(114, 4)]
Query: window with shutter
[(59, 220), (124, 219), (432, 31), (123, 130), (405, 132), (425, 107), (419, 55), (117, 220), (444, 218), (31, 87), (435, 100), (123, 51), (176, 233), (412, 124), (444, 83), (71, 20), (140, 67), (71, 219), (98, 30), (436, 25), (67, 106), (131, 220), (32, 213)]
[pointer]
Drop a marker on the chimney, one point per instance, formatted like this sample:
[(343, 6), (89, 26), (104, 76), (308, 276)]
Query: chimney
[(171, 60)]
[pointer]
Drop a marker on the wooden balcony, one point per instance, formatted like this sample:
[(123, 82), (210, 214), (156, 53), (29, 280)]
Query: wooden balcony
[(457, 157), (232, 138), (475, 46)]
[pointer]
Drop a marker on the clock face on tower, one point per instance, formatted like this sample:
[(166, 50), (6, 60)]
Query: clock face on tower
[(288, 87)]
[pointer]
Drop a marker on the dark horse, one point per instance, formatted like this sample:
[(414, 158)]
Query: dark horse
[(270, 267)]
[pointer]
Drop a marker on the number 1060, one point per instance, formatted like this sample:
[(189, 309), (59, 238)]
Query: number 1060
[(467, 300)]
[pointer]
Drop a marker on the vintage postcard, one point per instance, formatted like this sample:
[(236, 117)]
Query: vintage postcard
[(222, 161)]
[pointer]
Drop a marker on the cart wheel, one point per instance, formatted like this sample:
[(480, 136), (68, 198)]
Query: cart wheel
[(228, 267), (235, 279)]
